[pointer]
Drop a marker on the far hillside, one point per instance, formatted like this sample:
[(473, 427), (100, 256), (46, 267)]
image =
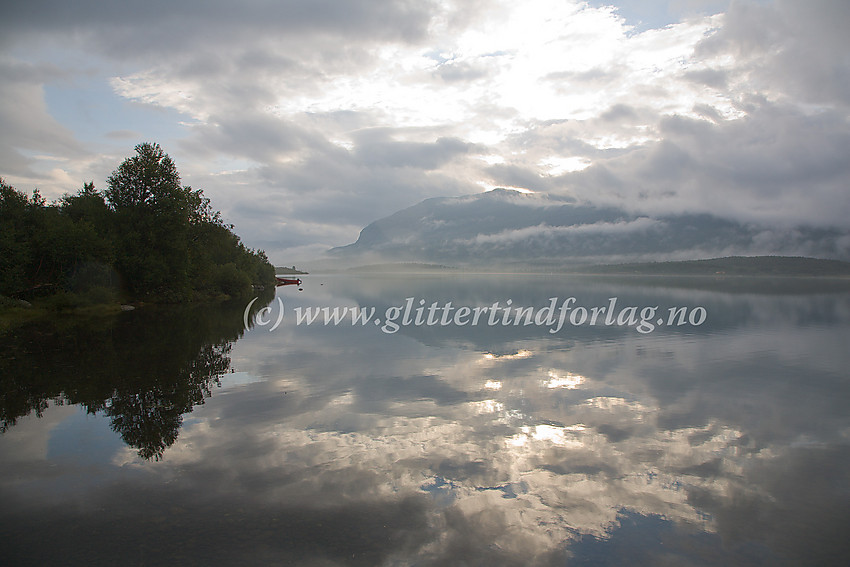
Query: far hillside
[(400, 267), (731, 266), (288, 271)]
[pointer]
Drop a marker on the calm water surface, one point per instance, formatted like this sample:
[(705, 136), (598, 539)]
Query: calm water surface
[(174, 436)]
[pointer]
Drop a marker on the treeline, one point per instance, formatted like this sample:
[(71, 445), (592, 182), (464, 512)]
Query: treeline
[(146, 237)]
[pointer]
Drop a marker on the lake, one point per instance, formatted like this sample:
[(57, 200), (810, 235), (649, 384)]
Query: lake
[(576, 421)]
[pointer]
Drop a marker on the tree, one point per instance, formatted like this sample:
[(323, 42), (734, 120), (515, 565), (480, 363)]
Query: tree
[(87, 205), (16, 253), (163, 241), (152, 214), (147, 180)]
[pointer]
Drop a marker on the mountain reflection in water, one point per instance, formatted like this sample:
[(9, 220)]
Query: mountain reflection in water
[(719, 444)]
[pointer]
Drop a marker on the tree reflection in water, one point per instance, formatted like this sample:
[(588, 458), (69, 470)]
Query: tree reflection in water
[(144, 369)]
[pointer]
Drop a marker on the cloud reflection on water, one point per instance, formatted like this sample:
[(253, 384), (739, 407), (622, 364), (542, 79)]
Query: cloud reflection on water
[(728, 445), (670, 426)]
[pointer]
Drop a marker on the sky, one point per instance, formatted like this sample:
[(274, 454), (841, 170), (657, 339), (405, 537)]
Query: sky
[(305, 121)]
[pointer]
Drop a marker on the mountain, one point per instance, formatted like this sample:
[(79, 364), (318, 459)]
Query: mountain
[(511, 229)]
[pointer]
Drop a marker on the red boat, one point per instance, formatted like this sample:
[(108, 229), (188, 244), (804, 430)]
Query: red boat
[(287, 281)]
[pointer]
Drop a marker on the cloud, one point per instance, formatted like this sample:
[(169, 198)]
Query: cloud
[(342, 113), (778, 164), (161, 28), (788, 50), (546, 232), (34, 145), (416, 155)]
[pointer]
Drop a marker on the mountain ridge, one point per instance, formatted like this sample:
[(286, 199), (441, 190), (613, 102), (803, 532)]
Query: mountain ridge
[(510, 228)]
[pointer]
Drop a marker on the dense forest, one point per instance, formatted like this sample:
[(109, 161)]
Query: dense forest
[(145, 238)]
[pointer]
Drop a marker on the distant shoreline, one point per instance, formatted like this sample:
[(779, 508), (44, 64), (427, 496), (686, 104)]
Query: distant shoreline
[(282, 271), (770, 266), (732, 266)]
